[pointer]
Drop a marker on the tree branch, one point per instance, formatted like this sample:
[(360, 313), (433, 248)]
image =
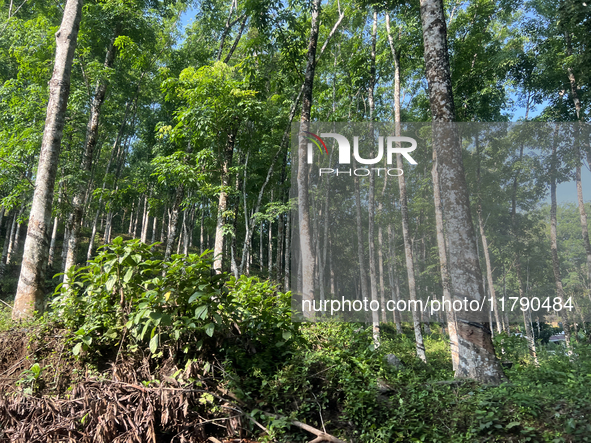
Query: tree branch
[(320, 435)]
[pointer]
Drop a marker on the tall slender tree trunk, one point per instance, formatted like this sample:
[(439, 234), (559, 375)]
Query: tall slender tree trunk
[(375, 319), (154, 229), (145, 221), (31, 285), (489, 276), (554, 241), (218, 250), (360, 248), (582, 212), (476, 353), (173, 221), (201, 230), (7, 239), (408, 255), (444, 270), (13, 244), (287, 279), (528, 329), (393, 277), (53, 242), (162, 228), (139, 212), (404, 205), (270, 249), (305, 234), (92, 131), (115, 153)]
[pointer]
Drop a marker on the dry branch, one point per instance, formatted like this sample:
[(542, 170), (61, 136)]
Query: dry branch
[(320, 435)]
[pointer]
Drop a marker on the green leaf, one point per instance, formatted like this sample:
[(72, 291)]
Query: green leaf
[(209, 329), (286, 335), (111, 282), (201, 312), (195, 296), (128, 275), (77, 349), (154, 343), (111, 333)]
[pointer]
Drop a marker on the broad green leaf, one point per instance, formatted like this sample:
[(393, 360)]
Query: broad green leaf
[(154, 343), (128, 275), (77, 349)]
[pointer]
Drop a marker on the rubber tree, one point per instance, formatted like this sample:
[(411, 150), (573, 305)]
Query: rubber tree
[(30, 290), (477, 359)]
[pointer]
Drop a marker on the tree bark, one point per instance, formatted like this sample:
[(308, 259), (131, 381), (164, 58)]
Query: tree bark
[(444, 270), (375, 319), (31, 285), (53, 241), (7, 239), (218, 251), (145, 221), (477, 358), (13, 244), (305, 235)]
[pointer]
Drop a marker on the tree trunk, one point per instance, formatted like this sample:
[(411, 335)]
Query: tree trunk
[(53, 241), (582, 212), (115, 153), (444, 270), (173, 221), (305, 234), (287, 280), (554, 241), (7, 239), (31, 285), (360, 248), (491, 287), (528, 329), (201, 228), (218, 251), (375, 318), (13, 244), (145, 221), (92, 130), (154, 229), (162, 235), (393, 277), (270, 248), (408, 255), (476, 353), (139, 212), (404, 207)]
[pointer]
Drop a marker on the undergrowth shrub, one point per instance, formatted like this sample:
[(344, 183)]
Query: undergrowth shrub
[(128, 296)]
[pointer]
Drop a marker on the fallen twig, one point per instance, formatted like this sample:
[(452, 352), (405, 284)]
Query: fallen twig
[(320, 436)]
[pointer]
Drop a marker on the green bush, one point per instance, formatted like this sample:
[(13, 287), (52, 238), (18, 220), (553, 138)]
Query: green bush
[(127, 294)]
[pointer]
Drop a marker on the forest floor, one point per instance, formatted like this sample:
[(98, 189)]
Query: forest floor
[(51, 395), (141, 350)]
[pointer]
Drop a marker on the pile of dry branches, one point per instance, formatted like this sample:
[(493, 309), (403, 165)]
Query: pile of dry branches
[(111, 411)]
